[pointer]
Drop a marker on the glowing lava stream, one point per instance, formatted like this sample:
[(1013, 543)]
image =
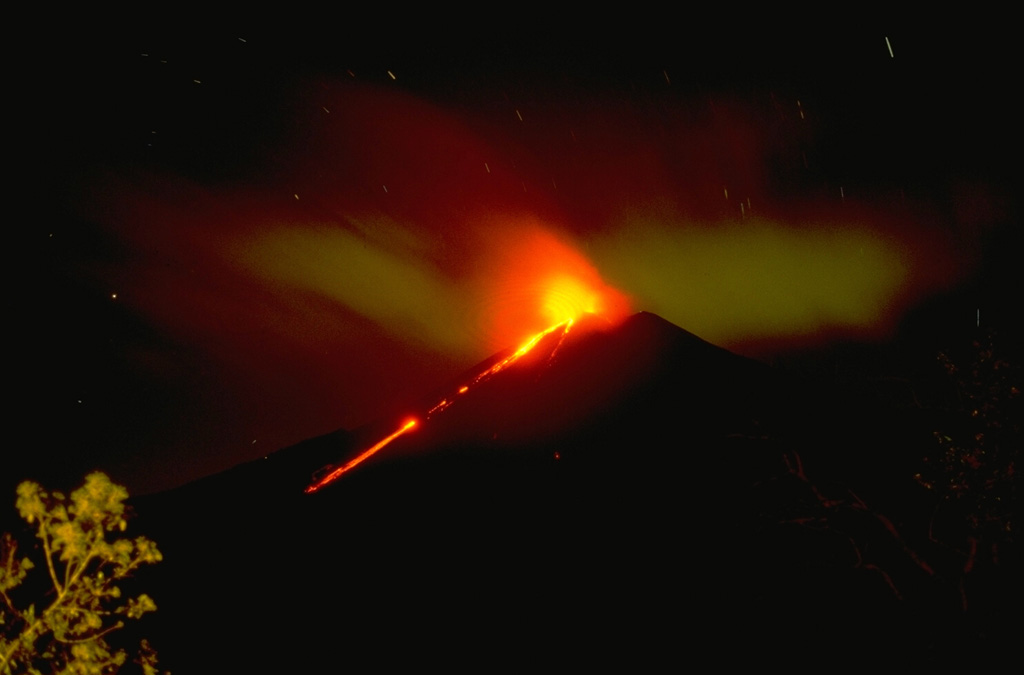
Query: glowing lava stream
[(363, 456), (498, 367), (523, 351)]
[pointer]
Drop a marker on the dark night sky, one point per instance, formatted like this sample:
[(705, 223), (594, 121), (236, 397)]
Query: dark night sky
[(243, 239)]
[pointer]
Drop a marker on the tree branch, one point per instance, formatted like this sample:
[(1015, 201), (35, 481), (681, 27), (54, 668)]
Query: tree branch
[(94, 636), (48, 552)]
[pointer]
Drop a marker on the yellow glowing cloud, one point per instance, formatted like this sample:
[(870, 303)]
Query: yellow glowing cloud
[(758, 280), (385, 278)]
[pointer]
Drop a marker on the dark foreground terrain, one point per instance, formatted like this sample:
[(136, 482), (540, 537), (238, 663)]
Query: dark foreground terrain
[(637, 497)]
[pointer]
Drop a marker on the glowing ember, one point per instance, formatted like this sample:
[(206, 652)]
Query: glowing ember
[(439, 407)]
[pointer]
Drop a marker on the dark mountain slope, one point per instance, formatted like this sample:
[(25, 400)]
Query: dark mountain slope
[(629, 493)]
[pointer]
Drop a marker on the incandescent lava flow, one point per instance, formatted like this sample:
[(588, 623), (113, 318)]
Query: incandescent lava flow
[(564, 300)]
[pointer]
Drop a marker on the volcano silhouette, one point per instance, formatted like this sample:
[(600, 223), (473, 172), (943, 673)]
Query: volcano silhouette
[(623, 494), (577, 392)]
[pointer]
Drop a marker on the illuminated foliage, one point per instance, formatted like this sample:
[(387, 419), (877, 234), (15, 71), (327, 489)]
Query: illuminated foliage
[(65, 630), (972, 470)]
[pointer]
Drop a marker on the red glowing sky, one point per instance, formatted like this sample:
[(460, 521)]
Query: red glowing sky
[(248, 250)]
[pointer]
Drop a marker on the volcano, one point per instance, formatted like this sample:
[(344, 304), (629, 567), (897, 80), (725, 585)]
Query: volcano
[(572, 389), (621, 493)]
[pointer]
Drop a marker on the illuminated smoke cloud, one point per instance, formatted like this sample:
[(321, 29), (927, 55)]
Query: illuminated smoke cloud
[(440, 261), (761, 284), (393, 284), (393, 242)]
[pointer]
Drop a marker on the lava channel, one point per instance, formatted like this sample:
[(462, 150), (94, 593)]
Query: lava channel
[(359, 459), (525, 349)]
